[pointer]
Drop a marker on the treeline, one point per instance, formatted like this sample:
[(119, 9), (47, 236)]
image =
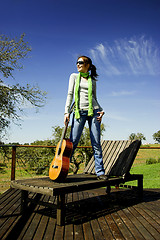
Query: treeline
[(39, 159)]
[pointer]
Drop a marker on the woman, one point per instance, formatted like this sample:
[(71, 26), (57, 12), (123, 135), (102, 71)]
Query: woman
[(82, 86)]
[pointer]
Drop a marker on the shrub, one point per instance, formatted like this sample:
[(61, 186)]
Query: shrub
[(158, 160), (151, 161)]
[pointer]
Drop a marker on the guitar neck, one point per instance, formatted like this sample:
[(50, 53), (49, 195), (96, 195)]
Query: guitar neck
[(64, 133), (65, 130)]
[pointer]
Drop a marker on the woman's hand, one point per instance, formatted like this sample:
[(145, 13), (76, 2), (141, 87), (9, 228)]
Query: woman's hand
[(66, 118), (99, 118)]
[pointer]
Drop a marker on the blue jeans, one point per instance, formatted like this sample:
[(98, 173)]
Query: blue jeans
[(94, 127)]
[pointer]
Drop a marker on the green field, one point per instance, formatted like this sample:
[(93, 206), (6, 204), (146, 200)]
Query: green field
[(5, 176), (150, 172)]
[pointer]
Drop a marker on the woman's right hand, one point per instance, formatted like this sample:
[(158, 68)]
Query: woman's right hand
[(66, 118)]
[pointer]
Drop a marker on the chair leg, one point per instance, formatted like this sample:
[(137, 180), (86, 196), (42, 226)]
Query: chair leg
[(61, 209), (108, 190), (140, 186), (24, 197)]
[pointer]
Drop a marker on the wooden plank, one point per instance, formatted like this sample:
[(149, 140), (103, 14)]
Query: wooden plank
[(88, 233), (9, 218), (153, 206), (114, 220), (96, 225), (50, 229), (133, 149), (121, 160), (30, 226), (78, 230), (118, 156), (136, 220), (105, 145), (129, 224), (8, 227), (112, 225), (97, 231), (90, 168), (7, 201), (41, 221), (19, 225), (7, 209), (108, 229), (109, 153), (41, 228), (73, 184), (13, 221), (122, 227), (6, 193), (69, 232), (153, 214), (148, 222), (113, 156), (59, 233), (107, 234)]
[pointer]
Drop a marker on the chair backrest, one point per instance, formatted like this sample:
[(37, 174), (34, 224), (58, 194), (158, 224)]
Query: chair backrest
[(118, 157)]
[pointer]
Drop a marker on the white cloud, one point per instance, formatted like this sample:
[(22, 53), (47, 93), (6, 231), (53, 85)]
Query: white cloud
[(139, 56), (102, 50), (122, 93)]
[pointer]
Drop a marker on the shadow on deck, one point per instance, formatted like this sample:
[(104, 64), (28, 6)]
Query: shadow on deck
[(89, 215)]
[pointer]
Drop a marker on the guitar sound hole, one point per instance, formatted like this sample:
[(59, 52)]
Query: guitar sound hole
[(54, 166)]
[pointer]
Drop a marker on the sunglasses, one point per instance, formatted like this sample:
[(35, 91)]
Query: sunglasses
[(80, 62)]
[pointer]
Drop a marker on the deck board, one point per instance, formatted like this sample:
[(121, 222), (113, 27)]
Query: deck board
[(89, 215)]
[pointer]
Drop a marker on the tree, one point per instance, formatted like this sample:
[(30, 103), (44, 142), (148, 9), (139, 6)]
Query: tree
[(156, 136), (13, 96), (138, 136)]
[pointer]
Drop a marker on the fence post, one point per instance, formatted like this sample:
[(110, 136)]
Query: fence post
[(13, 167)]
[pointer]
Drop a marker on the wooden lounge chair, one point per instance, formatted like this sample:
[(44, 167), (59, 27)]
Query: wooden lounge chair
[(118, 157)]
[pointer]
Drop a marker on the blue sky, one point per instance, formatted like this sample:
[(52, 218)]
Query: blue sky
[(121, 36)]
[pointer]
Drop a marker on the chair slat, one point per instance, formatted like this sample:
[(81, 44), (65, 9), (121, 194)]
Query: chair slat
[(118, 157), (132, 152), (112, 157), (121, 160)]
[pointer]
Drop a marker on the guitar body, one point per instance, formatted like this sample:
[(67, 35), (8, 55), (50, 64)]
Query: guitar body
[(60, 165)]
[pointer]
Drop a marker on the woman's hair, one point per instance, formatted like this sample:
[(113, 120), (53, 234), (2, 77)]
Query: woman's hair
[(92, 68)]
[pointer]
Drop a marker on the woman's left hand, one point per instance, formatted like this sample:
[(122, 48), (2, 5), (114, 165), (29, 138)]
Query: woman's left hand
[(99, 118)]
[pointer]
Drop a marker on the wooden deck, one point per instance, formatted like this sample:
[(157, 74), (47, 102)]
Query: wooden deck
[(89, 215)]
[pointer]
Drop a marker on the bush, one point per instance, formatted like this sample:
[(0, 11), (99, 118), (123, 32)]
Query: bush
[(151, 161), (158, 160)]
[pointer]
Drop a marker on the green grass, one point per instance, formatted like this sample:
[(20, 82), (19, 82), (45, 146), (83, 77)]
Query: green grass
[(151, 174), (5, 176)]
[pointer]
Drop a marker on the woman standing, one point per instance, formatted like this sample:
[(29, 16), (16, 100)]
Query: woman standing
[(82, 86)]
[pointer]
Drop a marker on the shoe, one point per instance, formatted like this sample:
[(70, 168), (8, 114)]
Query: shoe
[(102, 177)]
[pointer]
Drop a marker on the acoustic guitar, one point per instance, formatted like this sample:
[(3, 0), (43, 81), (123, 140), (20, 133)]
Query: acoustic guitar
[(60, 165)]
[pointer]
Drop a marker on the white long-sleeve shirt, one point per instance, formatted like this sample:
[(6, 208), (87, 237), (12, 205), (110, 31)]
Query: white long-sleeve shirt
[(83, 94)]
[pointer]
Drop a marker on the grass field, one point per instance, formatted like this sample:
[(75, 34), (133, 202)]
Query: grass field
[(150, 172), (5, 176)]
